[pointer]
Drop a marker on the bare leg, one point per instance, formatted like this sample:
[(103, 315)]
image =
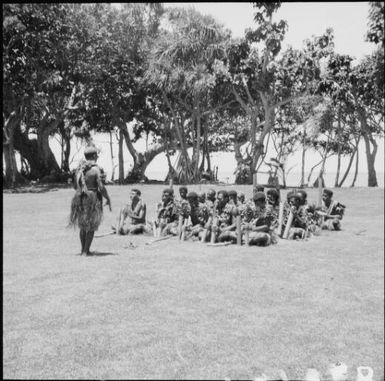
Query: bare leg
[(82, 240), (89, 238)]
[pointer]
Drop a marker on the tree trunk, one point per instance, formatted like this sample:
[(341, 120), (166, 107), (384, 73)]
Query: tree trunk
[(143, 160), (9, 126), (46, 156), (338, 169), (11, 172), (312, 169), (67, 151), (350, 163), (303, 158), (198, 120), (338, 151), (112, 158), (37, 151), (121, 159), (370, 153), (339, 185), (370, 159), (356, 169), (187, 165)]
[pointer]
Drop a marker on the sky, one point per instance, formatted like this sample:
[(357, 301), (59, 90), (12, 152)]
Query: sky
[(348, 20)]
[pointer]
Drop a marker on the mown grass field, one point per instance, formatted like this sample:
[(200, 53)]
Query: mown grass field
[(185, 310)]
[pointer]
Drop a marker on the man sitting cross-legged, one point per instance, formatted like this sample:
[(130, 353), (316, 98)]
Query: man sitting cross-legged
[(309, 212), (199, 215), (182, 205), (331, 211), (262, 223), (211, 199), (299, 222), (167, 214), (132, 217), (201, 197), (226, 213)]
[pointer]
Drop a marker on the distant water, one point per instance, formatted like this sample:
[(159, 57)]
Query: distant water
[(293, 179), (225, 161)]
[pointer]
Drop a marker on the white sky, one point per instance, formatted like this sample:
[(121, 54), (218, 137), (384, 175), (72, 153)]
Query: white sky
[(348, 20)]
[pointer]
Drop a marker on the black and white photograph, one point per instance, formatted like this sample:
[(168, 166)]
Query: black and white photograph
[(193, 191)]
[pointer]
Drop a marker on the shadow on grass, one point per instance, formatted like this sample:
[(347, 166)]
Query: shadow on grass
[(97, 254), (38, 188)]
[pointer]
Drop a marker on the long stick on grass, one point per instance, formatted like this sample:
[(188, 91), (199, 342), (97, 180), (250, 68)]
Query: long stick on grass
[(160, 239), (105, 234)]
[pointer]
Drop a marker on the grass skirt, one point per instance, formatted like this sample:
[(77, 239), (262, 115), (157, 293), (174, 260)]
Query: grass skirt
[(86, 210)]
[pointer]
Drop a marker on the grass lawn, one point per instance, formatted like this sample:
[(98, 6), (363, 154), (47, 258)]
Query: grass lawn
[(186, 310)]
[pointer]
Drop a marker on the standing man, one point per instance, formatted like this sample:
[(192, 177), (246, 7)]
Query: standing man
[(132, 217), (86, 206)]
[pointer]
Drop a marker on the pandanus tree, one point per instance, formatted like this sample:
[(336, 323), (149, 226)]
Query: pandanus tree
[(181, 66)]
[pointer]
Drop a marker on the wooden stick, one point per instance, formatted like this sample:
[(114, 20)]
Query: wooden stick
[(220, 244), (288, 225), (154, 229), (171, 183), (184, 228), (247, 236), (160, 239), (214, 230), (239, 232), (280, 218), (180, 226), (105, 234), (254, 180), (205, 232)]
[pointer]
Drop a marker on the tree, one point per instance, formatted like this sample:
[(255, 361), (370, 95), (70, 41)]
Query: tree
[(262, 82), (181, 67), (37, 75)]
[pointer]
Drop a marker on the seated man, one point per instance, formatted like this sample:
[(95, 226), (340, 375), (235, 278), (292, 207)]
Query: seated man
[(331, 211), (224, 219), (199, 215), (211, 199), (167, 214), (241, 198), (201, 197), (132, 217), (272, 197), (299, 222), (233, 197), (261, 233), (308, 210), (182, 205)]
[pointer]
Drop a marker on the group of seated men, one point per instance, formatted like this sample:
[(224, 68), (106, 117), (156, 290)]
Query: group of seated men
[(227, 216)]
